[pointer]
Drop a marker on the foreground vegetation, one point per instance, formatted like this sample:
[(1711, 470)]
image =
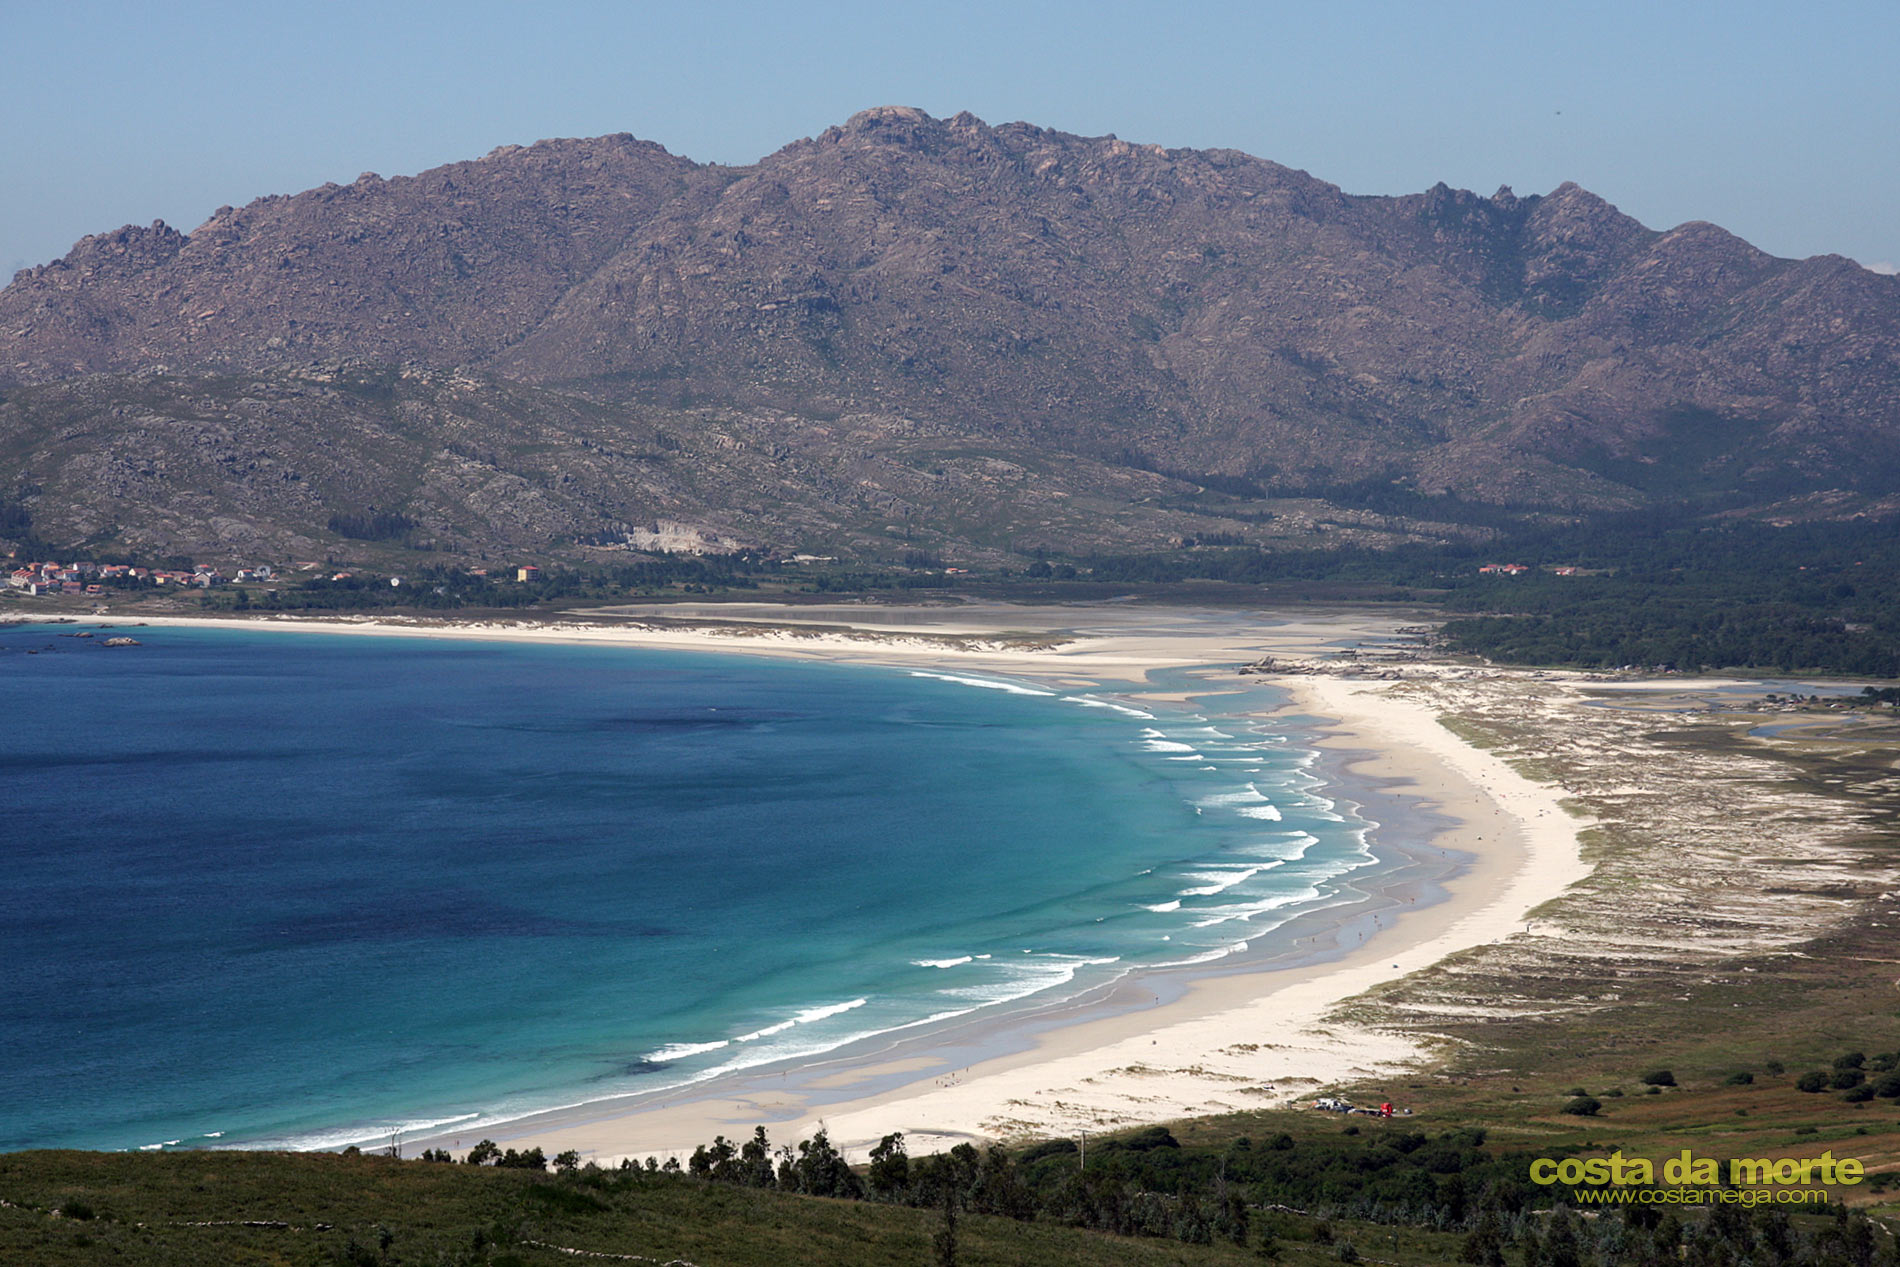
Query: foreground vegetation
[(193, 1208), (1376, 1191)]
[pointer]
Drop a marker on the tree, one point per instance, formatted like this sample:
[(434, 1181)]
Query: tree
[(483, 1153), (725, 1164), (890, 1168), (999, 1188), (820, 1170), (1268, 1246), (531, 1159), (1561, 1245), (944, 1243), (755, 1160), (715, 1162), (1484, 1245)]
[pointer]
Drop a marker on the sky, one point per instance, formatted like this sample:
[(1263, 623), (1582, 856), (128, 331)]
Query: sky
[(1778, 121)]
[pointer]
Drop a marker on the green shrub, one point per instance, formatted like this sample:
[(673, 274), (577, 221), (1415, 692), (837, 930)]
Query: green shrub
[(1811, 1082), (564, 1199), (383, 526), (1859, 1095), (1852, 1060), (1583, 1106), (1659, 1078), (1846, 1078), (532, 1159), (1152, 1137), (1742, 1079), (1888, 1088), (1048, 1148)]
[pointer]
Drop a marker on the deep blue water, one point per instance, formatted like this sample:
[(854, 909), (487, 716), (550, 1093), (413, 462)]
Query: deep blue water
[(309, 889)]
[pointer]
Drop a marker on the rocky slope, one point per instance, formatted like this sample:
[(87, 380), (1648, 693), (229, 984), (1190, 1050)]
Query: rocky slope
[(1083, 308)]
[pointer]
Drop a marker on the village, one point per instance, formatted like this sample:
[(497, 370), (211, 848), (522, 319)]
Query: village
[(1519, 569), (87, 578)]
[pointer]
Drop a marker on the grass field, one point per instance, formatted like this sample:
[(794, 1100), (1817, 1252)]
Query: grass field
[(189, 1208)]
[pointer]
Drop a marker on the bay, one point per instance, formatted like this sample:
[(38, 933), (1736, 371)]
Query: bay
[(307, 889)]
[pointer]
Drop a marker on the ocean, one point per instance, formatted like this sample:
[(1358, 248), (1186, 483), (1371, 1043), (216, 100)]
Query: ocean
[(305, 890)]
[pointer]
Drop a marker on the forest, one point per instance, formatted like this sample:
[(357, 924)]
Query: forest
[(1641, 590)]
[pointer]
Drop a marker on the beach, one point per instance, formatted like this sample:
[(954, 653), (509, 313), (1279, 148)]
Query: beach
[(1149, 1048), (1231, 1042)]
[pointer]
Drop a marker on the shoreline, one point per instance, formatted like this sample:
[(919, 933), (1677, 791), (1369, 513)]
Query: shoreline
[(1238, 1037), (1230, 1040)]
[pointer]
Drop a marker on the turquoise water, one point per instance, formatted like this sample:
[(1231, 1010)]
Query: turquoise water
[(308, 890)]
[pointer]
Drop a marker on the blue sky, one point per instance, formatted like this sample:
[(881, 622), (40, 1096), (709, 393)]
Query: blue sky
[(1780, 122)]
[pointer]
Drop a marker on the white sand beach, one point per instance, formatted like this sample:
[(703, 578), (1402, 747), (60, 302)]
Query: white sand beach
[(1228, 1041), (1234, 1041)]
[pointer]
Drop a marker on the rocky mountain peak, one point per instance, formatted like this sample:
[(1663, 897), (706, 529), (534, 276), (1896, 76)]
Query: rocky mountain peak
[(901, 127), (123, 251), (1572, 214), (886, 118)]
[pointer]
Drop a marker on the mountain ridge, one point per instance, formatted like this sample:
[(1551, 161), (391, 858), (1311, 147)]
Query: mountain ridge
[(1201, 312)]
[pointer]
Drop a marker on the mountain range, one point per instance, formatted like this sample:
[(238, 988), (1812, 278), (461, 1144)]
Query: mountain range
[(919, 334)]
